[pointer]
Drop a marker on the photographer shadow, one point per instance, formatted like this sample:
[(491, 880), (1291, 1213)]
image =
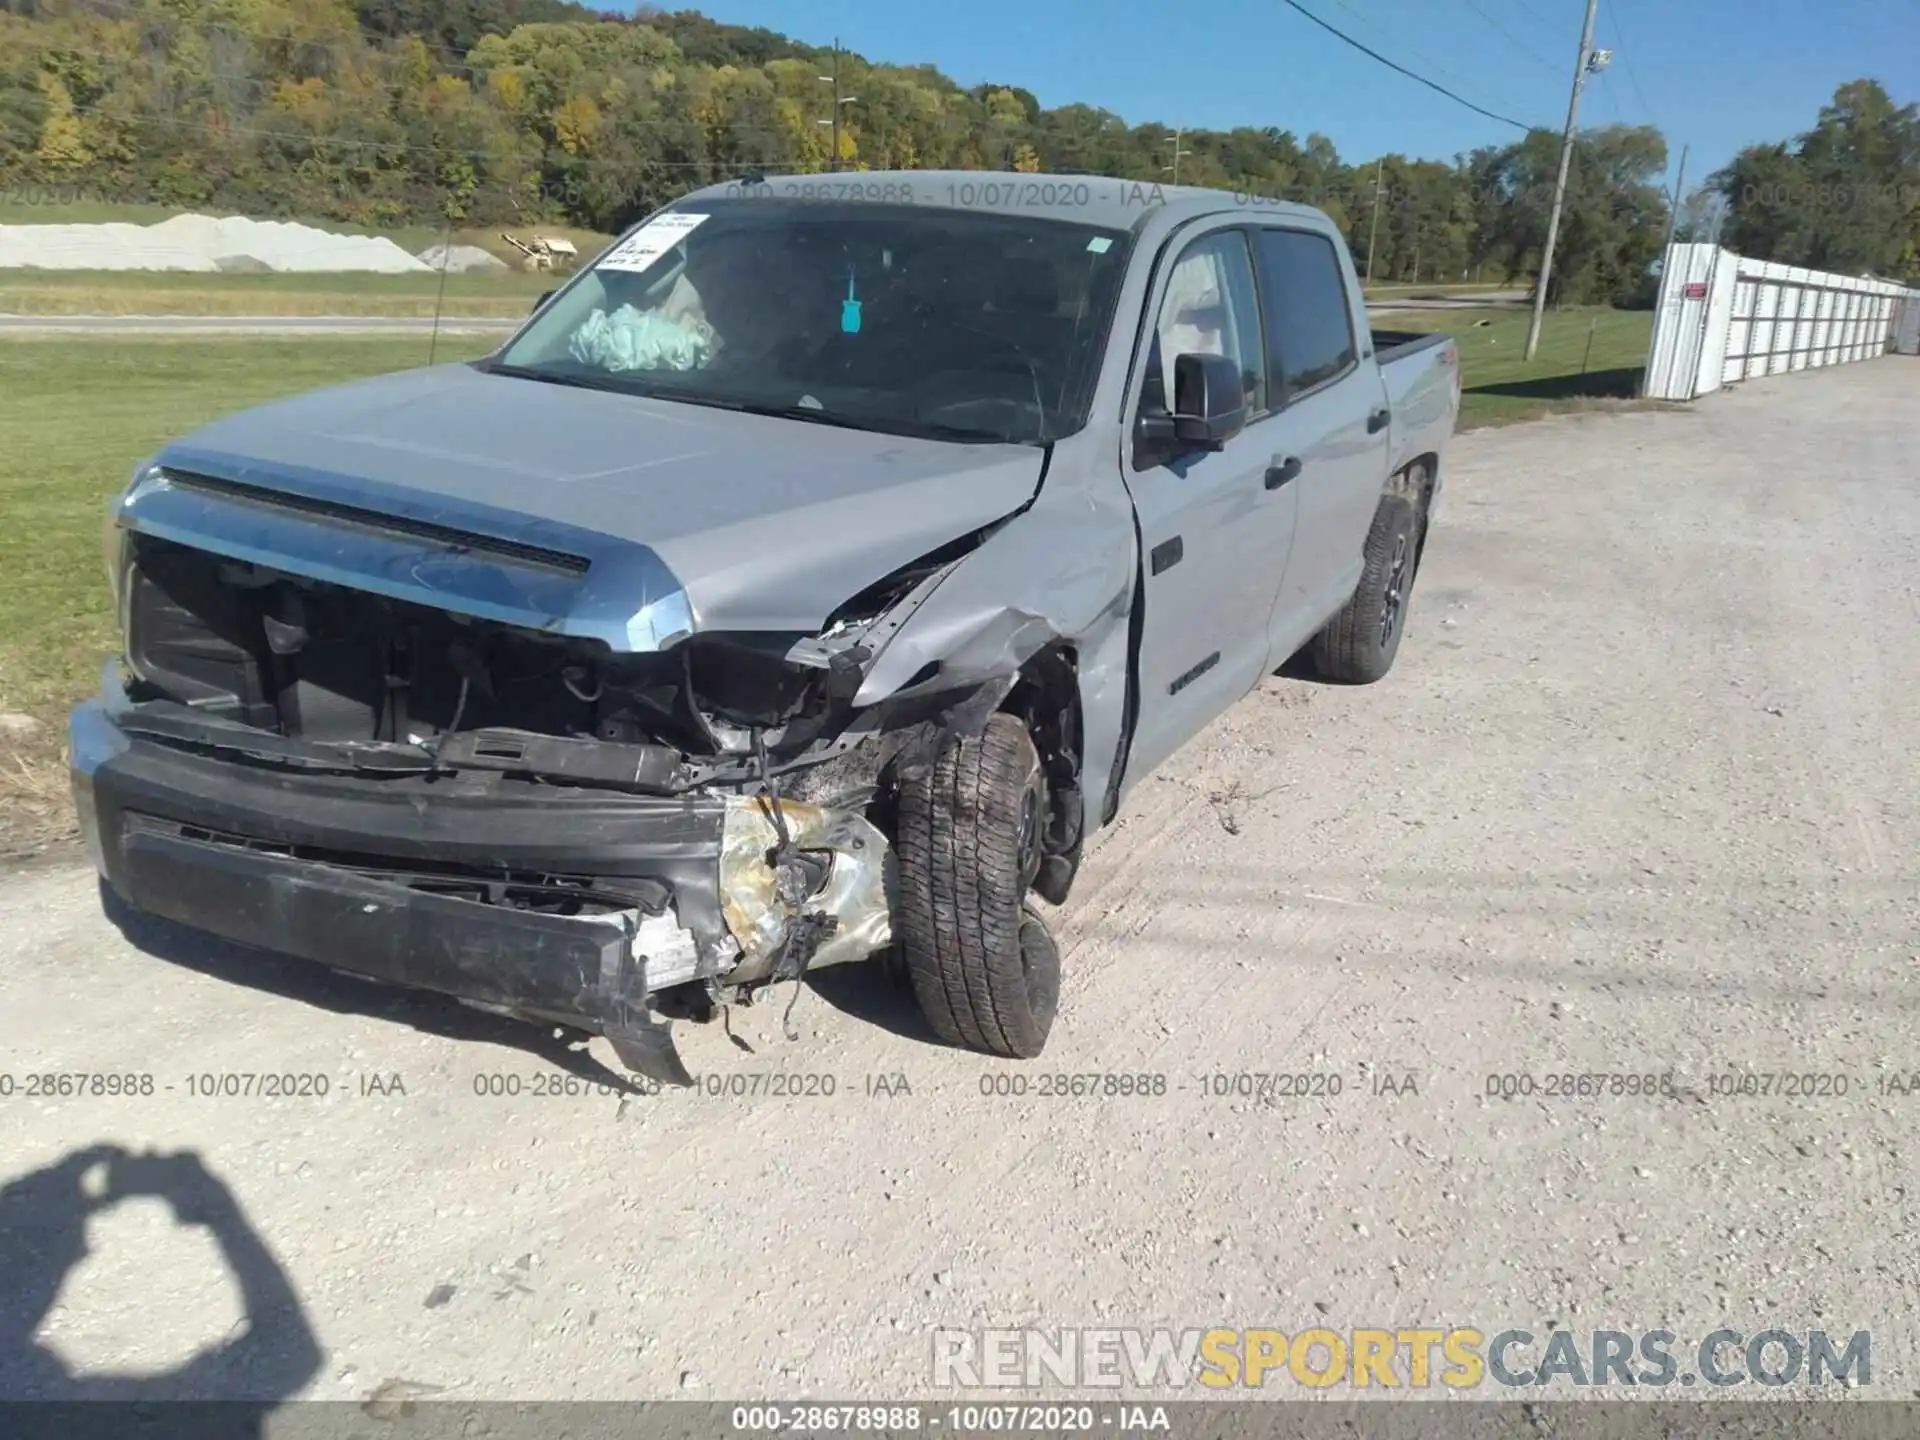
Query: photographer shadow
[(225, 1390)]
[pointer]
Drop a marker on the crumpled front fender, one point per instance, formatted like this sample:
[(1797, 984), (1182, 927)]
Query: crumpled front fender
[(1063, 573)]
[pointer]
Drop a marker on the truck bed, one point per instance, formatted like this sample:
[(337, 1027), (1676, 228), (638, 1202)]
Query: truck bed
[(1420, 373)]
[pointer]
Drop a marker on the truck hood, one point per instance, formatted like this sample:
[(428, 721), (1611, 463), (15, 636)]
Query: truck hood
[(631, 519)]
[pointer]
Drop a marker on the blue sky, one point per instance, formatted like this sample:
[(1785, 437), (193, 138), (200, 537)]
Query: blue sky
[(1716, 74)]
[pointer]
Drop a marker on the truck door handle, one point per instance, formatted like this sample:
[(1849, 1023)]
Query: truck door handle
[(1379, 420), (1281, 471)]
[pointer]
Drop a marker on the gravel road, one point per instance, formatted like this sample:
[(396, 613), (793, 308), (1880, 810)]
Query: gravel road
[(1640, 797)]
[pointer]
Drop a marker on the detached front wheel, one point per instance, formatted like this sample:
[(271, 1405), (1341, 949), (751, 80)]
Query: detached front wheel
[(983, 967)]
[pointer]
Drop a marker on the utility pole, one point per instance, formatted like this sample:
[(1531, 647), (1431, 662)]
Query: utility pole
[(1673, 210), (1177, 153), (1590, 61), (838, 101), (1373, 231)]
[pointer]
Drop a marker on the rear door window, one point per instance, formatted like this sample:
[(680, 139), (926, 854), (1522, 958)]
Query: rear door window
[(1304, 298)]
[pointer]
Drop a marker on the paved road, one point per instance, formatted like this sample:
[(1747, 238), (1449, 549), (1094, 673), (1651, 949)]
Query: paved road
[(245, 325), (1478, 300), (1640, 798)]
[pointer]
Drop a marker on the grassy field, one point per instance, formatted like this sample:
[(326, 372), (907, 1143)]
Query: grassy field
[(75, 417), (162, 292), (1588, 359)]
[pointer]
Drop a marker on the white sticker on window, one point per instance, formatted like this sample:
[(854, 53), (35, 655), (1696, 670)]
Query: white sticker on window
[(1100, 244), (652, 240)]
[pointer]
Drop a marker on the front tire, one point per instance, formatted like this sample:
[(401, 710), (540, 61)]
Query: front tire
[(983, 967), (1359, 644)]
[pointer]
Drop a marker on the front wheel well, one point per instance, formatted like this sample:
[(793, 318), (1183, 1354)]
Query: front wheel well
[(1046, 697)]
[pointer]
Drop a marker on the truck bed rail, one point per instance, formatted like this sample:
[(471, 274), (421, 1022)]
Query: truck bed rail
[(1391, 345)]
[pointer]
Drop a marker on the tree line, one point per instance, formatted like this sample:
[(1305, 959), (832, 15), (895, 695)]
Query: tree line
[(1843, 196), (382, 113)]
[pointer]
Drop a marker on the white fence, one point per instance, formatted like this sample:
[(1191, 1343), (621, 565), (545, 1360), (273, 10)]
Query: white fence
[(1723, 318), (1906, 327)]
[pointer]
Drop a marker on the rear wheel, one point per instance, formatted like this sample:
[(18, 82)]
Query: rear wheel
[(1358, 645), (983, 967)]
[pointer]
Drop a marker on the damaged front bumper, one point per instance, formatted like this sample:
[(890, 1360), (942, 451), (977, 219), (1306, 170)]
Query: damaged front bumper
[(544, 901)]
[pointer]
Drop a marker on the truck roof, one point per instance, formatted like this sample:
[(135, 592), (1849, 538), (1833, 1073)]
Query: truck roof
[(1098, 200)]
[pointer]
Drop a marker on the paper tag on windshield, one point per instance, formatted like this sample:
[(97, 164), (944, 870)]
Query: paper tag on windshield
[(652, 240)]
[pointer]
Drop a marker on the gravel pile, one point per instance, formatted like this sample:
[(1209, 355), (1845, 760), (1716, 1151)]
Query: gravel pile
[(199, 242), (463, 260)]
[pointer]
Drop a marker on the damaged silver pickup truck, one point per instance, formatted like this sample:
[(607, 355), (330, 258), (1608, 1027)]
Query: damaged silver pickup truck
[(807, 579)]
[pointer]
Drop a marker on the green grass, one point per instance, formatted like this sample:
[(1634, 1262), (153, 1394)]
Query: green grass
[(164, 292), (1501, 387), (75, 417)]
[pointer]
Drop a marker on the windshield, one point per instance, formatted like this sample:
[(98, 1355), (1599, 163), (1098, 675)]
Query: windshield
[(914, 320)]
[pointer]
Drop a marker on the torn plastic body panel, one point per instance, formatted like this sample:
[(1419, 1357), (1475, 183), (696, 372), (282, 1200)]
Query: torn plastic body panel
[(837, 867)]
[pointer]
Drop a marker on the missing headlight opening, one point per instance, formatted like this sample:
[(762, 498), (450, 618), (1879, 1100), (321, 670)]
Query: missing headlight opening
[(320, 662)]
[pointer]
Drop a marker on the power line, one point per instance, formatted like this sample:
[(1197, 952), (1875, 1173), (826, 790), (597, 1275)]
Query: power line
[(323, 141), (1392, 65), (1531, 9), (1626, 61), (1512, 39), (1606, 90), (1432, 60)]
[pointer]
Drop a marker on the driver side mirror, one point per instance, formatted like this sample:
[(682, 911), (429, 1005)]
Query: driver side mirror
[(545, 295), (1209, 403), (1209, 407)]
